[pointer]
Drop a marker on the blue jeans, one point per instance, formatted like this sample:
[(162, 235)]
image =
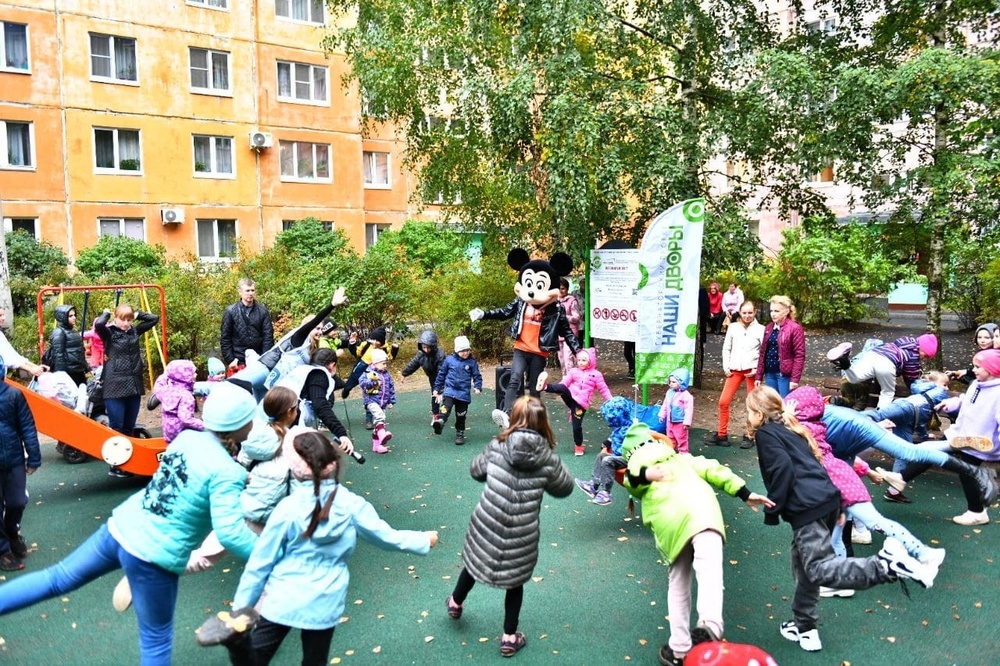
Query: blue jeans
[(154, 590), (778, 382), (849, 433), (122, 413), (255, 373)]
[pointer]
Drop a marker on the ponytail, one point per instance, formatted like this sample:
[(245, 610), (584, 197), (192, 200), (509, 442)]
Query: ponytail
[(322, 459)]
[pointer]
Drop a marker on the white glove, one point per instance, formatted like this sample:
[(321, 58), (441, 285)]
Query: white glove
[(476, 314)]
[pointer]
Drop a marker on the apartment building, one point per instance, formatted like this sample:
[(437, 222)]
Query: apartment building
[(189, 123)]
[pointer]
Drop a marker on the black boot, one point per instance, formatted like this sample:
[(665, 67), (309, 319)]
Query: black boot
[(985, 477), (459, 437)]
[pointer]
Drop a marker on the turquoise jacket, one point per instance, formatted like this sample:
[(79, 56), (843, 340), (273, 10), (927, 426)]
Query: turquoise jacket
[(196, 489), (304, 581)]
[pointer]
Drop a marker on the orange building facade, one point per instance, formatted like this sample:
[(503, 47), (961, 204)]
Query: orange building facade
[(189, 123)]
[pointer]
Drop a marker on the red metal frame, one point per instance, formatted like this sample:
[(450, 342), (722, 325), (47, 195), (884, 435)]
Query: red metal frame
[(103, 287)]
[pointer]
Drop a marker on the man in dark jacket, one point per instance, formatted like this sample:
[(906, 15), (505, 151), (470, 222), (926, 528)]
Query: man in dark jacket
[(246, 324), (19, 457)]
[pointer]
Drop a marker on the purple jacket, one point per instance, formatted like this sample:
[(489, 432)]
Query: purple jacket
[(904, 354), (378, 387), (979, 416), (174, 391), (791, 350)]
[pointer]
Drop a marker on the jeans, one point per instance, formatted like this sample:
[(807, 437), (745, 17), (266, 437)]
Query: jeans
[(779, 382), (576, 412), (13, 499), (154, 590), (732, 385), (904, 415), (122, 413), (605, 467), (267, 637), (522, 362), (866, 514), (849, 433), (255, 373), (378, 414), (701, 560)]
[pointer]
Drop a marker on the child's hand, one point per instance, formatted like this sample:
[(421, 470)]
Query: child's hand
[(875, 477), (339, 297), (390, 405), (432, 536), (755, 501)]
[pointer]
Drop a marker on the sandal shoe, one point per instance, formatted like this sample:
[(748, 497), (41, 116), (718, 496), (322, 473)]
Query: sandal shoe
[(510, 648), (898, 498), (454, 610), (224, 627)]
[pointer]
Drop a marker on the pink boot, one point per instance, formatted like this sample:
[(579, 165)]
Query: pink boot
[(379, 438)]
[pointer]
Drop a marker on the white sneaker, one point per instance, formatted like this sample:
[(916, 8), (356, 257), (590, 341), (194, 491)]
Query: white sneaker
[(900, 563), (809, 641), (501, 419), (789, 630), (839, 352), (972, 518), (932, 557), (827, 592), (121, 598), (894, 479), (540, 384), (861, 535)]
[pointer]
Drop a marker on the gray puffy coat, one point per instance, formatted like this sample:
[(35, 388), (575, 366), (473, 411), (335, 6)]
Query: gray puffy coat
[(501, 546)]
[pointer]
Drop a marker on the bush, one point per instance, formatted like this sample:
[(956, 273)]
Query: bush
[(32, 265), (430, 245), (120, 255)]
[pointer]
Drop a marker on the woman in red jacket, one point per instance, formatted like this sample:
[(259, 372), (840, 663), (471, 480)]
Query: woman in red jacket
[(783, 352), (715, 312)]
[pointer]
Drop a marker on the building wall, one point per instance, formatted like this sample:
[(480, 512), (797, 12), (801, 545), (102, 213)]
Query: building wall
[(59, 96)]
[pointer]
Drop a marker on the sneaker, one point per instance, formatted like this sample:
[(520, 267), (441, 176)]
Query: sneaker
[(542, 383), (901, 565), (10, 563), (666, 657), (716, 439), (118, 473), (152, 402), (972, 518), (704, 633), (578, 450), (898, 498), (603, 498), (454, 610), (975, 443), (587, 487), (121, 598), (459, 437), (500, 418), (894, 479), (18, 547), (746, 443), (508, 648), (809, 641), (860, 535), (438, 426), (839, 355), (828, 592), (630, 374), (932, 557)]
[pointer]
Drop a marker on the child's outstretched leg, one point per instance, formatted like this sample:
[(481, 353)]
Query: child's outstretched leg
[(576, 412), (380, 436), (866, 513), (444, 411), (463, 586), (461, 411)]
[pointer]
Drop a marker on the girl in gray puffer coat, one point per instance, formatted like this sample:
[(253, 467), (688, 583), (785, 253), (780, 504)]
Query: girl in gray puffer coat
[(501, 546), (66, 344)]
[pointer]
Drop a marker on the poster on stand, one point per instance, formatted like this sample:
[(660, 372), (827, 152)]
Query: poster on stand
[(614, 275)]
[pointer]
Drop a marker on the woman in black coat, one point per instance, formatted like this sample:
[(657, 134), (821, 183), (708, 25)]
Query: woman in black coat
[(66, 344), (122, 374)]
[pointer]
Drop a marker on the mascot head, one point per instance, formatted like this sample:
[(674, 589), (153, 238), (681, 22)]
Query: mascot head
[(538, 279)]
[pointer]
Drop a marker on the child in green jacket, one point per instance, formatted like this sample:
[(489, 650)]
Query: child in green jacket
[(680, 507)]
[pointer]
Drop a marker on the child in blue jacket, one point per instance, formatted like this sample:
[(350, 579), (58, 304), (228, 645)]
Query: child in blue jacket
[(19, 457), (457, 375)]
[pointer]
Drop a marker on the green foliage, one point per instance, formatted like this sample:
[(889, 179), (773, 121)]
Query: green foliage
[(728, 246), (431, 246), (308, 239), (120, 255), (32, 265)]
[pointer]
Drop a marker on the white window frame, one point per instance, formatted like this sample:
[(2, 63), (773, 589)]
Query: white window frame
[(292, 71), (4, 164), (117, 170), (298, 177), (369, 168), (124, 223), (213, 256), (4, 66), (214, 148), (207, 4), (210, 55), (8, 225), (111, 51), (328, 225), (825, 26), (287, 4), (373, 231)]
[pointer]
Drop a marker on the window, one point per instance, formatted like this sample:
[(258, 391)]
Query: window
[(824, 26), (209, 70), (301, 160), (117, 151), (112, 58), (17, 140), (372, 232), (14, 47), (213, 156), (376, 166), (288, 224), (824, 176), (28, 225), (310, 11), (214, 4), (216, 239), (130, 227), (299, 82)]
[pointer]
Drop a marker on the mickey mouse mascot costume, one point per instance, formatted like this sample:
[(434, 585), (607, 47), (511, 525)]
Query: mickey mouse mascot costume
[(538, 322)]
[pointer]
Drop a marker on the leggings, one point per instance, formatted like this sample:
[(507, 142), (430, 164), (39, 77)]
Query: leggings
[(576, 412), (266, 639), (511, 603)]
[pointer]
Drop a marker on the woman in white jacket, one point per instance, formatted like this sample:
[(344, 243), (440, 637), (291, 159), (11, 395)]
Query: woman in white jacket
[(739, 361)]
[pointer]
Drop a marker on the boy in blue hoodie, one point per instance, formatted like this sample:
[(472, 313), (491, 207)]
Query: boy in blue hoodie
[(678, 409)]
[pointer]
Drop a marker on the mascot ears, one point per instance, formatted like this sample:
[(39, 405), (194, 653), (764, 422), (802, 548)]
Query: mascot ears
[(560, 264)]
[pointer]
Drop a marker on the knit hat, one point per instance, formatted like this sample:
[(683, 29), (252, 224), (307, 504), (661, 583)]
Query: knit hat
[(228, 408), (328, 325), (379, 356), (296, 464), (928, 344), (378, 335), (988, 360), (215, 367), (637, 435), (462, 344), (989, 327)]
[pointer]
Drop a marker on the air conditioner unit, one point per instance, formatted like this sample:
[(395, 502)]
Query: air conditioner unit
[(260, 140), (172, 215)]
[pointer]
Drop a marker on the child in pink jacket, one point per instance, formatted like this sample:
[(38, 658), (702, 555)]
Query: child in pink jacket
[(854, 498), (678, 409), (175, 391), (576, 390)]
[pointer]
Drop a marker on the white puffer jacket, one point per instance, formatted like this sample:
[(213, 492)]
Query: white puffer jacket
[(741, 347)]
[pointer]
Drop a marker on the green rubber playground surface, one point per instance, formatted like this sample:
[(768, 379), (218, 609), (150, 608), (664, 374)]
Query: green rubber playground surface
[(598, 595)]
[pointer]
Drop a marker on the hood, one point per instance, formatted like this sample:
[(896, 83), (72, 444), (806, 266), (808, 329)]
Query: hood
[(526, 449), (617, 412), (428, 338), (809, 405), (990, 326), (62, 315), (683, 377), (592, 355), (181, 373)]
